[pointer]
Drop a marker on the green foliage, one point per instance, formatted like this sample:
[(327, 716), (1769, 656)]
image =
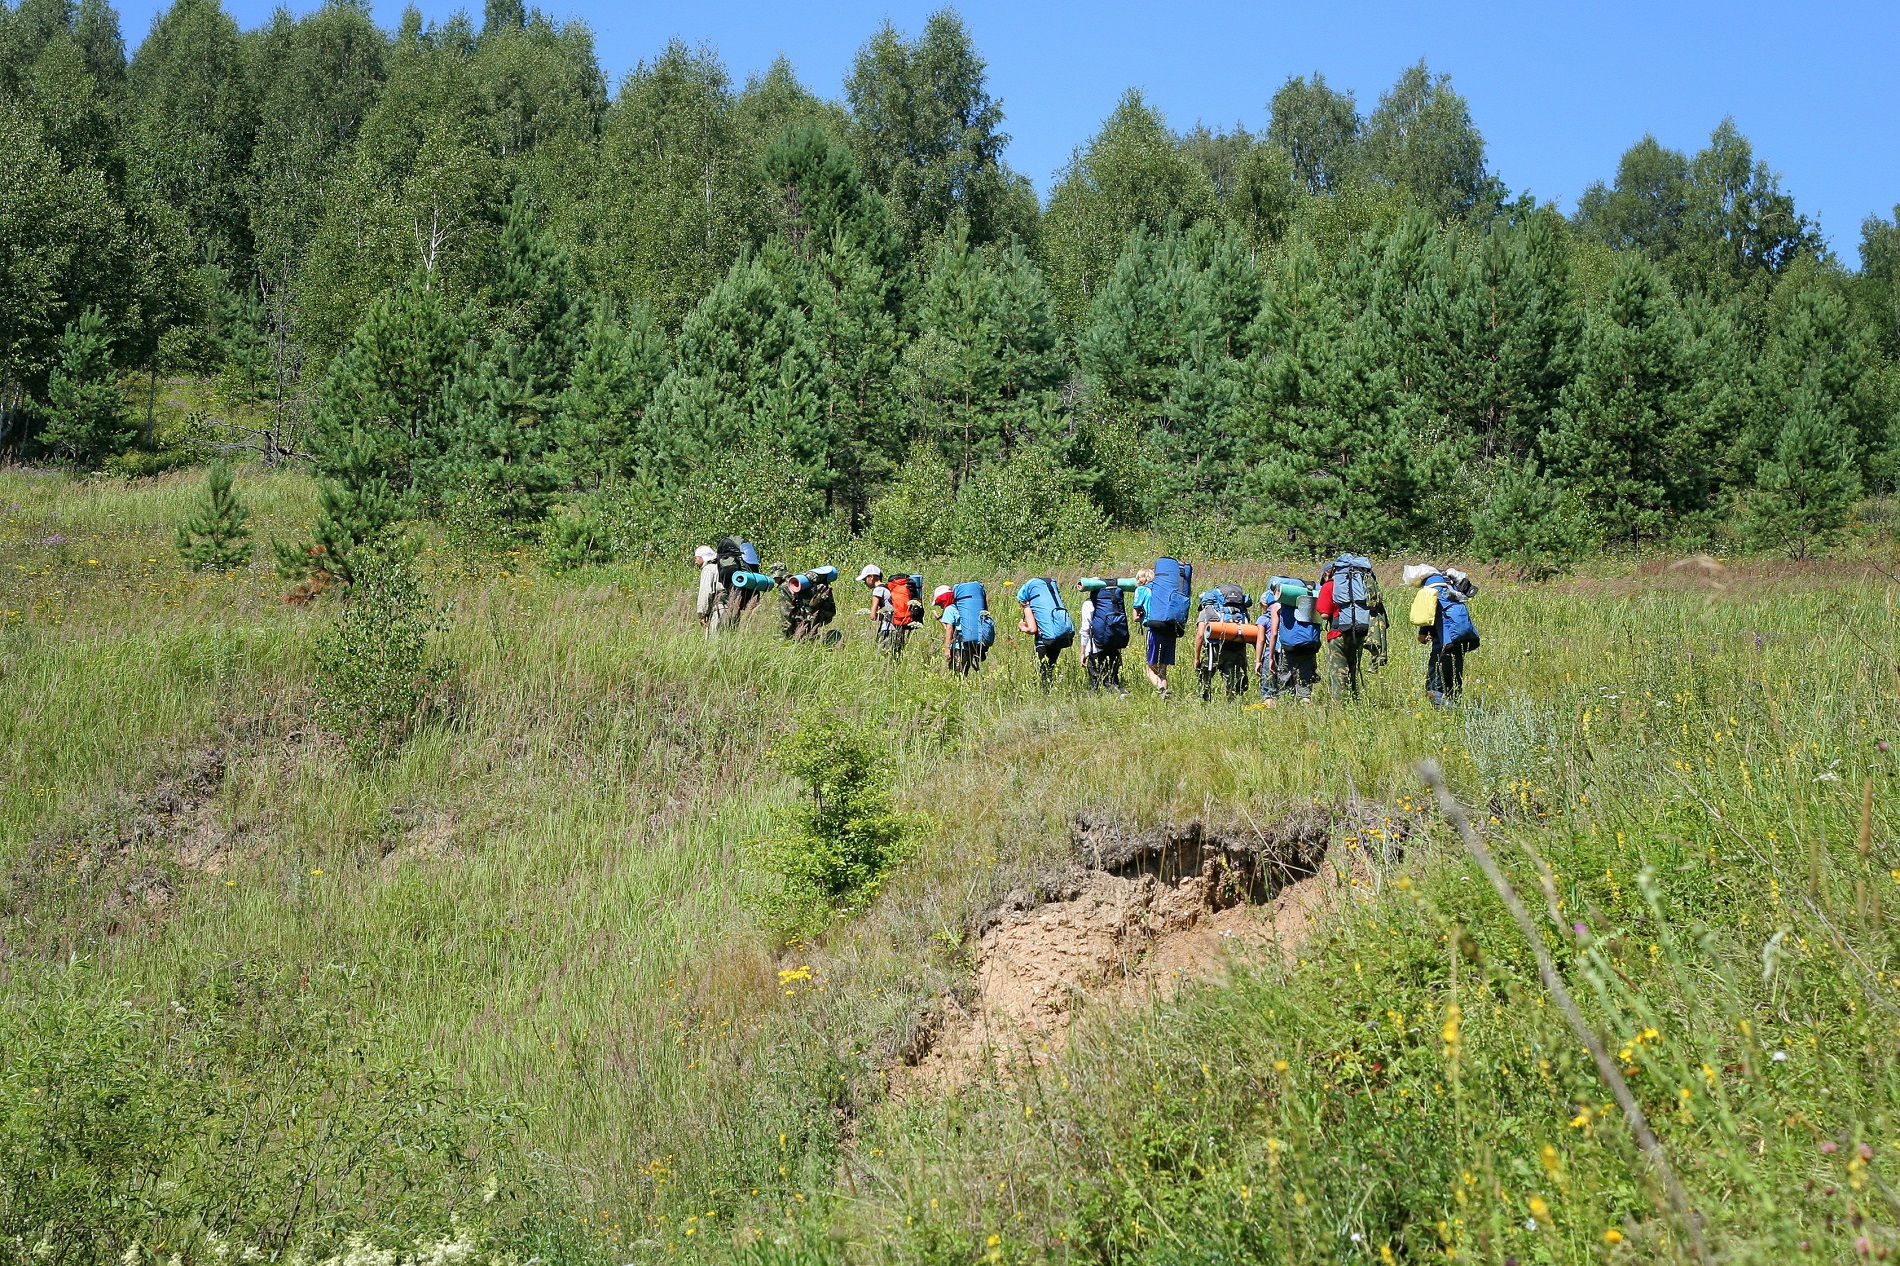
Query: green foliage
[(83, 1127), (1531, 523), (836, 844), (1318, 128), (926, 133), (678, 192), (1421, 139), (1717, 221), (1626, 435), (754, 492), (377, 676), (86, 419), (1345, 465), (1130, 176), (979, 378), (216, 538), (1025, 510), (1806, 488), (915, 514)]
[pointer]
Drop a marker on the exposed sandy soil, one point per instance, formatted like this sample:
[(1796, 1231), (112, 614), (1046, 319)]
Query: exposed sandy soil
[(1138, 915)]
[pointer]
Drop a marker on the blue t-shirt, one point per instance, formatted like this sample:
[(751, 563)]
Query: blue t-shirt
[(1142, 594)]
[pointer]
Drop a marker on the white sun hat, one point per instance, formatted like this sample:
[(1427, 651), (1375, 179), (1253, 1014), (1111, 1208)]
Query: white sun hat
[(870, 570)]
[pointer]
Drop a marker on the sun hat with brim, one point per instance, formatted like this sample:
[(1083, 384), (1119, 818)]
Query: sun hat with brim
[(870, 570), (942, 596), (704, 554)]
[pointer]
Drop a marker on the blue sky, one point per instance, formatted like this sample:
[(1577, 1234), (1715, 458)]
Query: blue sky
[(1559, 90)]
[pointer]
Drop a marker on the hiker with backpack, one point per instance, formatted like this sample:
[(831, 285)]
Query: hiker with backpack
[(896, 606), (1442, 615), (1161, 601), (1348, 591), (1221, 637), (1104, 632), (808, 603), (1047, 621), (968, 631), (1289, 651)]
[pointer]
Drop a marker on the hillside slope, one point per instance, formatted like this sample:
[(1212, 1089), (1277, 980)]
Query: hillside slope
[(516, 983)]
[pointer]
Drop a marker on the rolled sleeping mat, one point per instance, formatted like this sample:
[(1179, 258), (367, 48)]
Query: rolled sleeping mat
[(826, 575), (1228, 631), (1291, 589), (756, 580), (1092, 584), (1095, 584)]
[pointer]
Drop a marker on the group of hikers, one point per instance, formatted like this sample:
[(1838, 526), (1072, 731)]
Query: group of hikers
[(1341, 616)]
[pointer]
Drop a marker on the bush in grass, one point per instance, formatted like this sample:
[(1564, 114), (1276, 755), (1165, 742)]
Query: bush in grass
[(912, 519), (215, 538), (833, 848), (1025, 509), (376, 675)]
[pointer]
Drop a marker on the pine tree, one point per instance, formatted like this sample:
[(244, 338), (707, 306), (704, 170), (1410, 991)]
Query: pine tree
[(1336, 461), (215, 538), (978, 375), (1808, 485), (381, 435), (507, 395), (1530, 522), (1626, 432), (1815, 345), (85, 413)]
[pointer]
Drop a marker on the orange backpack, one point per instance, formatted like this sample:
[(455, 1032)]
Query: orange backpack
[(900, 600)]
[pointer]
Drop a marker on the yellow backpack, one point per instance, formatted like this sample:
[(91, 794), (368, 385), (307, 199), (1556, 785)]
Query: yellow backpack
[(1425, 606)]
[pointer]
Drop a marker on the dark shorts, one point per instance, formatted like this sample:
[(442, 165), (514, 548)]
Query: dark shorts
[(1160, 650)]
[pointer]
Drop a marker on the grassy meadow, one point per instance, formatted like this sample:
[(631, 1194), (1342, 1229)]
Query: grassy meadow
[(511, 988)]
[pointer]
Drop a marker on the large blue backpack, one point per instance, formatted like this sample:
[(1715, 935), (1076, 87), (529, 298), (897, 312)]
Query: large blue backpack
[(974, 626), (1353, 584), (1108, 626), (750, 553), (1454, 616), (1054, 626), (1295, 634), (1169, 596)]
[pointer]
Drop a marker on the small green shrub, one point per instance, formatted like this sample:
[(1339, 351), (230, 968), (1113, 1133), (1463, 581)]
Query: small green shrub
[(215, 538), (1025, 508), (757, 494), (376, 675), (913, 517), (835, 846)]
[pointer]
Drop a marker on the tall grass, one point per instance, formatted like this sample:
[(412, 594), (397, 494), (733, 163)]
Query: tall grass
[(541, 916)]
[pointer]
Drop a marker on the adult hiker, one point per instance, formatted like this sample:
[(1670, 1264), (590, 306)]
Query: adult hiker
[(707, 607), (1161, 600), (1442, 615), (1047, 621), (1103, 629), (882, 625), (1347, 591), (1222, 633), (968, 631), (1289, 652), (808, 603)]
